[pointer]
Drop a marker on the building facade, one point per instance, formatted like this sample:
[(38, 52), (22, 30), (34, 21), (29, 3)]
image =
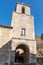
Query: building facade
[(17, 42)]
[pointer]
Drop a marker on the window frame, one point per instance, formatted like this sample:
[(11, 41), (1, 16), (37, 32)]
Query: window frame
[(23, 32)]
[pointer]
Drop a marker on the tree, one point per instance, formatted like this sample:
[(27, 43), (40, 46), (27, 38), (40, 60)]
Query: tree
[(42, 36)]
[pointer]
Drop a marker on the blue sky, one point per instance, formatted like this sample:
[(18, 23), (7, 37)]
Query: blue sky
[(7, 6)]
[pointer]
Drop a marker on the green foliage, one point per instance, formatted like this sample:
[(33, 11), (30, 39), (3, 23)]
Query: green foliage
[(42, 36)]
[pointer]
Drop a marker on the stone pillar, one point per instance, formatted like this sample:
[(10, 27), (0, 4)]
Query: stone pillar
[(33, 58)]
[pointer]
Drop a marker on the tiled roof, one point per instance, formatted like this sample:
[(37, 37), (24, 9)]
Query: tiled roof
[(6, 26)]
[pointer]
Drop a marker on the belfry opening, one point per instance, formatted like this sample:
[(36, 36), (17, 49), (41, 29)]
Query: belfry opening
[(22, 54)]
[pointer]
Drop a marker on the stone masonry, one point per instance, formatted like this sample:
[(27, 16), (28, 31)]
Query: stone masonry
[(11, 38)]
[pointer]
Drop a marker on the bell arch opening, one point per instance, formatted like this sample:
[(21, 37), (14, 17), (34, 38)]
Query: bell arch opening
[(23, 10), (22, 54)]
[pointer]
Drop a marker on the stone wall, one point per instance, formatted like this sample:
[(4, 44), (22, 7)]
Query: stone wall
[(5, 44), (19, 8), (40, 61)]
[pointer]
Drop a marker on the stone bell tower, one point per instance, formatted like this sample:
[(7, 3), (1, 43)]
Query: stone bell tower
[(23, 36)]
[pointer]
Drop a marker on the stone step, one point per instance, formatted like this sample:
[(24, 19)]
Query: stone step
[(24, 64)]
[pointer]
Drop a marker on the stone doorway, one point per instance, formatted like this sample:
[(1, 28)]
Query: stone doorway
[(22, 54)]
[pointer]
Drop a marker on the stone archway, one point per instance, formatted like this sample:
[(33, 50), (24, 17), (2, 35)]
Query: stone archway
[(22, 54)]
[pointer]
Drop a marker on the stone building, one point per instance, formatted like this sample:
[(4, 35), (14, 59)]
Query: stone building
[(17, 42), (39, 47)]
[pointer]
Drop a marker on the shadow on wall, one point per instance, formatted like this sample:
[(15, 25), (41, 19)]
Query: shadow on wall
[(40, 60), (5, 53)]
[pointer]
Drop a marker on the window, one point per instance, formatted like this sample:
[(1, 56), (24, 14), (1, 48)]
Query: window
[(23, 9), (23, 31)]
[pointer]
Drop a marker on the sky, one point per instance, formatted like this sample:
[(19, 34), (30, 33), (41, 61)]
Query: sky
[(8, 6)]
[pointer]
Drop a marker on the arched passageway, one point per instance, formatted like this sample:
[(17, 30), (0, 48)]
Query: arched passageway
[(22, 54)]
